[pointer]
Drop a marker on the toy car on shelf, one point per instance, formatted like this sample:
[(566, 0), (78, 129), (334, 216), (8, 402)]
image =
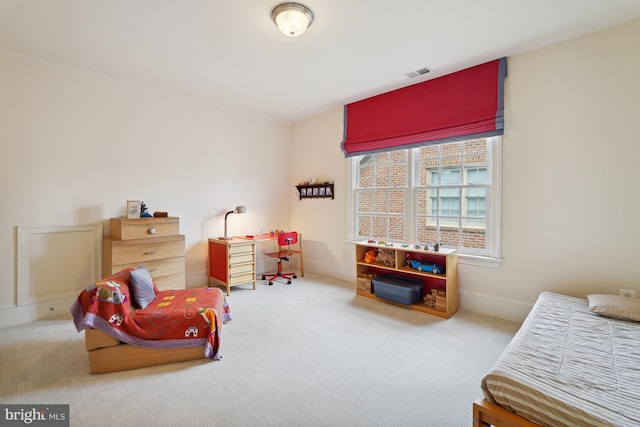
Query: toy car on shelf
[(425, 266)]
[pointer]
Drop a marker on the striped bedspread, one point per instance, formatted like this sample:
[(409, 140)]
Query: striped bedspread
[(569, 367)]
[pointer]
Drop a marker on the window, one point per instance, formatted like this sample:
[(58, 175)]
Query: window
[(381, 195), (446, 193)]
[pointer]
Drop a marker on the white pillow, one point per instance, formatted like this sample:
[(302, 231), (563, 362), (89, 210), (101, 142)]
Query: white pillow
[(615, 306)]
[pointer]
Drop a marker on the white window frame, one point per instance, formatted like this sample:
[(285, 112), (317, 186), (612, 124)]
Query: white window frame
[(493, 219)]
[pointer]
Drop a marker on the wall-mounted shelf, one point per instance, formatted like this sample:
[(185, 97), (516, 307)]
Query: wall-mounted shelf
[(315, 191)]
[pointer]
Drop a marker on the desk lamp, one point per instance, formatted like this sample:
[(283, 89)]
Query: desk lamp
[(239, 210)]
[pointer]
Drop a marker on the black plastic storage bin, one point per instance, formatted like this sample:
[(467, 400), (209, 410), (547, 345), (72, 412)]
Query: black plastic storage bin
[(396, 288)]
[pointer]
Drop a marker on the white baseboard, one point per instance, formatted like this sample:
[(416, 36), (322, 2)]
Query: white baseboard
[(494, 306), (332, 270), (14, 316)]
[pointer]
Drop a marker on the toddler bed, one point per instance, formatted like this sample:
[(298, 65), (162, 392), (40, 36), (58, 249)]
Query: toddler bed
[(574, 362), (130, 324)]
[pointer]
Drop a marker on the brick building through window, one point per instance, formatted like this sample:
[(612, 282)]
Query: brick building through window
[(436, 193)]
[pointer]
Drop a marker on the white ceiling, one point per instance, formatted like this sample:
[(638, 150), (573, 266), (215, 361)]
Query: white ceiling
[(229, 52)]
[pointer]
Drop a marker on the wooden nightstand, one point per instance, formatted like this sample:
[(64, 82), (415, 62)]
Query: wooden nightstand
[(232, 262)]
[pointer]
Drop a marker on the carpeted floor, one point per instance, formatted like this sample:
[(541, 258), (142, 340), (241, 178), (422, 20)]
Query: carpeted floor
[(307, 354)]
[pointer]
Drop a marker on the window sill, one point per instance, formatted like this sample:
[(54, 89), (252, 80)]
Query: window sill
[(479, 261), (476, 260)]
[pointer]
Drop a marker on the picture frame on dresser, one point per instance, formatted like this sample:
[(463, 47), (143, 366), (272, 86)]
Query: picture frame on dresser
[(133, 209)]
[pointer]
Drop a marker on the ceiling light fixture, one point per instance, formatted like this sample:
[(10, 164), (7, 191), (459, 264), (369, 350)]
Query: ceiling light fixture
[(292, 19)]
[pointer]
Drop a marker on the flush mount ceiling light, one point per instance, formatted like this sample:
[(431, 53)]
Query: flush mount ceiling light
[(292, 19)]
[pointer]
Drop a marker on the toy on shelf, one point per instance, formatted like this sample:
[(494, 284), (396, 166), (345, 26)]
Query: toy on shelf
[(437, 299), (426, 266), (370, 256), (386, 257)]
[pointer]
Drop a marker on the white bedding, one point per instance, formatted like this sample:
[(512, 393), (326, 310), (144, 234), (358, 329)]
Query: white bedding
[(567, 366)]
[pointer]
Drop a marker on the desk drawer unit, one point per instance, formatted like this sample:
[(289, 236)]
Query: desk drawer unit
[(232, 262)]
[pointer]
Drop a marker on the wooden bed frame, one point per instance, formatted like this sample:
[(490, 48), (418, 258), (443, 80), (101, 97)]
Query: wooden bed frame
[(107, 354), (487, 414)]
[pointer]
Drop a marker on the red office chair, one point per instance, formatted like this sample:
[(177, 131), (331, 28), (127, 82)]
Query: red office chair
[(284, 239)]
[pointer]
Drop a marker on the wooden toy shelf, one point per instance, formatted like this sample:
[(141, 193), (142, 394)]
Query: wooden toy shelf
[(442, 288)]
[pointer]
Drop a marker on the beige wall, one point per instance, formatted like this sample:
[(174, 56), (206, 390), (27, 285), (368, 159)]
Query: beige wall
[(570, 178), (317, 154), (75, 146)]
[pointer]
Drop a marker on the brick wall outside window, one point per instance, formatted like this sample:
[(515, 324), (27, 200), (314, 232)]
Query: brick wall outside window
[(383, 188), (380, 198)]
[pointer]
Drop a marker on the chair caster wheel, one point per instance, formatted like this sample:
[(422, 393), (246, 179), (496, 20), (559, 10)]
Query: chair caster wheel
[(288, 282), (270, 283), (264, 277), (295, 277)]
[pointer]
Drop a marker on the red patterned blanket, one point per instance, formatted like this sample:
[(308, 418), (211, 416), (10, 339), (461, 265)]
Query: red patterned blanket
[(174, 319)]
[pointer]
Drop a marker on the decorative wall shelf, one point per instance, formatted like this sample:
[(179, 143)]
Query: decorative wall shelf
[(315, 191)]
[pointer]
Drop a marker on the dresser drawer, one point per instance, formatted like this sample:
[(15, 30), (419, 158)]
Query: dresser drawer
[(144, 228), (173, 281), (157, 268), (143, 250)]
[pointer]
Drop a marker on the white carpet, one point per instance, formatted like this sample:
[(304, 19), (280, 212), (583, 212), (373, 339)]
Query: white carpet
[(307, 354)]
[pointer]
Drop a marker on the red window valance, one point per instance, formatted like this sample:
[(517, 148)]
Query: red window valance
[(466, 104)]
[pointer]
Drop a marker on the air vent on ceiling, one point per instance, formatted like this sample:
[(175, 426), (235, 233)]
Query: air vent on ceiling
[(420, 72)]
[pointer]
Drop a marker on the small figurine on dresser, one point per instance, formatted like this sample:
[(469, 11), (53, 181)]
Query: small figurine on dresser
[(143, 211)]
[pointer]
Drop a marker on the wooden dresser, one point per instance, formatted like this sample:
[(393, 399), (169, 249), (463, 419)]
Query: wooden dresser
[(154, 242)]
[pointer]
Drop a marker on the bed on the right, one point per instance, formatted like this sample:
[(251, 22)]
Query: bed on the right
[(574, 362)]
